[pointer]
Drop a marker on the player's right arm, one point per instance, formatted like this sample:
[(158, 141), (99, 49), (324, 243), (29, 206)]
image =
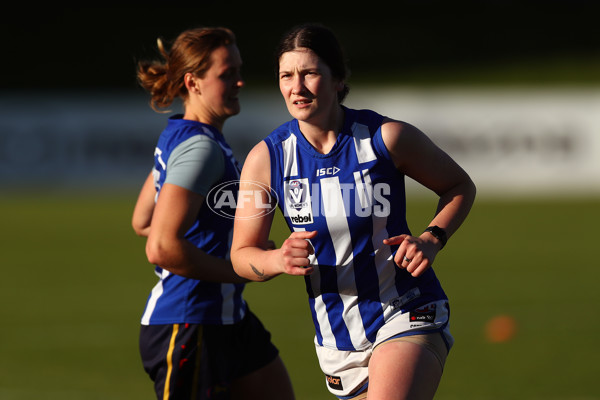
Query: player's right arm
[(248, 256), (167, 246), (144, 208)]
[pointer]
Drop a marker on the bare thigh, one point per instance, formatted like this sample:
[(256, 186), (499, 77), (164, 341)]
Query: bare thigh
[(271, 382), (403, 370)]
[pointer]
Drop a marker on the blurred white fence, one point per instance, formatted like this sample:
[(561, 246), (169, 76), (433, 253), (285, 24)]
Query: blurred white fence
[(514, 141)]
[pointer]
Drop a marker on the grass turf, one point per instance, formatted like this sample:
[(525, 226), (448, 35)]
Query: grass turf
[(75, 280)]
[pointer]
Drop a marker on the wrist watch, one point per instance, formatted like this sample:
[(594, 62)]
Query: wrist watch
[(438, 233)]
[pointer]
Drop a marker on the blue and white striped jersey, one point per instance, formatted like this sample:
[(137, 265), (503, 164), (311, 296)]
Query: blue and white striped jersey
[(176, 299), (354, 197)]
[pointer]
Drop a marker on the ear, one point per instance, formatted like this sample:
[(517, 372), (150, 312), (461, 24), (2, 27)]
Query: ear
[(191, 83), (340, 86)]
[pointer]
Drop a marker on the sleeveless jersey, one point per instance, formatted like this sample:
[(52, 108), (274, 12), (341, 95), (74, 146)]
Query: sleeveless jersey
[(176, 299), (354, 197)]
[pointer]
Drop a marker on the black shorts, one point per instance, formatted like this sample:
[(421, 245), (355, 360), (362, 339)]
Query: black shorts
[(193, 361)]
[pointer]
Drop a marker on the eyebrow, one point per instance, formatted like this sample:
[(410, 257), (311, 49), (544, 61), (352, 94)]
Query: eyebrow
[(304, 69)]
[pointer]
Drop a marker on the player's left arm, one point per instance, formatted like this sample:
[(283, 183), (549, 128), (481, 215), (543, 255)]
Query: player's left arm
[(418, 157)]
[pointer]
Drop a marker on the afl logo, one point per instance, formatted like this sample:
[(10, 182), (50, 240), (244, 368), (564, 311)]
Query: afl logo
[(225, 198)]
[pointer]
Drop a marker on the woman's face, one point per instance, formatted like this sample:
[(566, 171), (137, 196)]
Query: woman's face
[(220, 85), (307, 85)]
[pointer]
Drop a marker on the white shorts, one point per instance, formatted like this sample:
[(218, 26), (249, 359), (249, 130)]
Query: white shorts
[(347, 372)]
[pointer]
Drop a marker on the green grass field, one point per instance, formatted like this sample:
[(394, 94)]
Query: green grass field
[(75, 279)]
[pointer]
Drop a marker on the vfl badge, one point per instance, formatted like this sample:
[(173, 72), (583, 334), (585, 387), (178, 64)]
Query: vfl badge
[(334, 382), (297, 201)]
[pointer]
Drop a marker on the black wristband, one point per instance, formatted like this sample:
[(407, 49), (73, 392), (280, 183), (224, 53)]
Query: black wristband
[(438, 233)]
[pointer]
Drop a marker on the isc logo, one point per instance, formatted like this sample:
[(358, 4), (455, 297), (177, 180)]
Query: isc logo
[(334, 382), (327, 171)]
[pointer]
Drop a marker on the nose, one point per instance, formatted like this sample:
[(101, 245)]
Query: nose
[(239, 82), (297, 85)]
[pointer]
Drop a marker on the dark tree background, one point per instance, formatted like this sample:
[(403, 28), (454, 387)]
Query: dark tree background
[(406, 42)]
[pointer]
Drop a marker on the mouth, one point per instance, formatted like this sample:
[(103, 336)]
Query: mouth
[(302, 102)]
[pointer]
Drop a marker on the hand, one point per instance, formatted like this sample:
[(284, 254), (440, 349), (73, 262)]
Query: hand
[(414, 254), (295, 251)]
